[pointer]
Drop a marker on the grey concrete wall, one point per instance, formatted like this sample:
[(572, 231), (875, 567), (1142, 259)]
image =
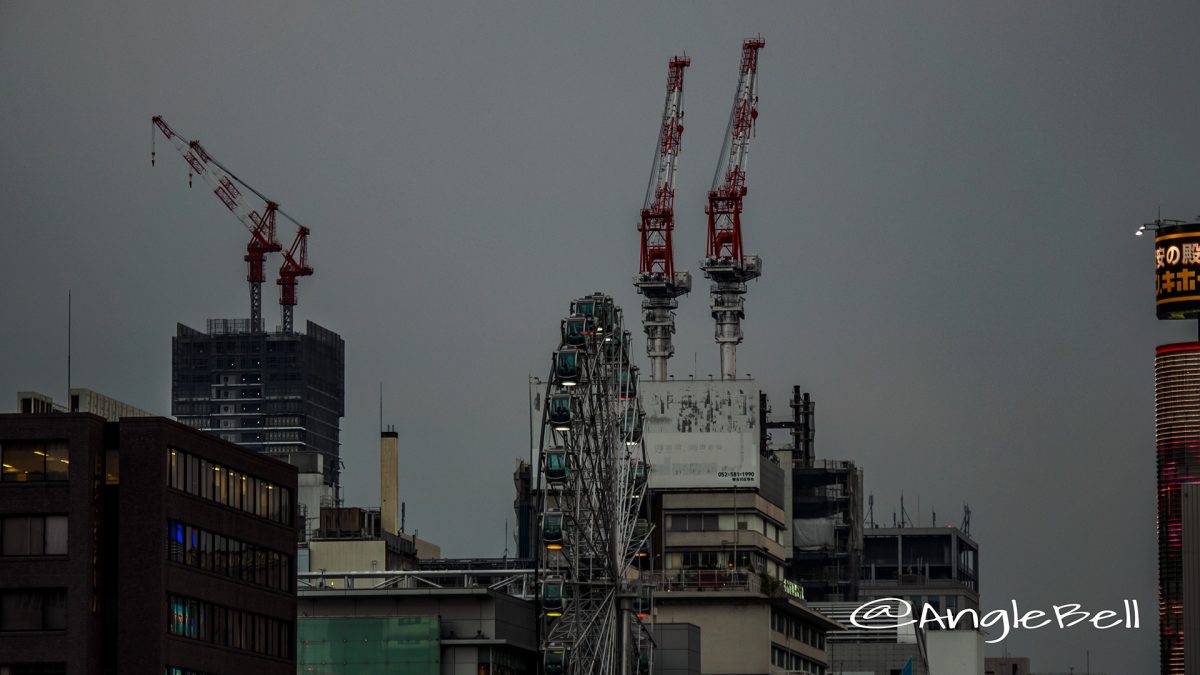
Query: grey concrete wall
[(678, 649)]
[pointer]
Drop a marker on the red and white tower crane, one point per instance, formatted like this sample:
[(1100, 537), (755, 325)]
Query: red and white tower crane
[(295, 265), (657, 280), (724, 262), (231, 190)]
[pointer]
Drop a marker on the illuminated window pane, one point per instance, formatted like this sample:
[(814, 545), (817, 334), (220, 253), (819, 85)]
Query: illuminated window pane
[(58, 460), (23, 462)]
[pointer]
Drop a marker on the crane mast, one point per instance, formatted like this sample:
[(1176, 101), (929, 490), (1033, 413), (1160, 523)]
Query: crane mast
[(232, 192), (725, 264), (295, 265), (657, 281)]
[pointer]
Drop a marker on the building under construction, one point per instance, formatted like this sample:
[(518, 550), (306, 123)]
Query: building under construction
[(826, 505), (279, 393), (827, 529)]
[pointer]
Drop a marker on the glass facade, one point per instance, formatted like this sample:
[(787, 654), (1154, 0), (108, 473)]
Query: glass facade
[(368, 645)]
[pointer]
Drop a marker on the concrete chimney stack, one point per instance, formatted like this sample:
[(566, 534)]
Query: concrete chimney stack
[(389, 481)]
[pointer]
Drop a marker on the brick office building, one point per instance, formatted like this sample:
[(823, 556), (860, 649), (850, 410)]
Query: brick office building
[(142, 547)]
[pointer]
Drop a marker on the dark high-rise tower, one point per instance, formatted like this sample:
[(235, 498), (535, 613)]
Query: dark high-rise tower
[(1177, 442), (281, 393)]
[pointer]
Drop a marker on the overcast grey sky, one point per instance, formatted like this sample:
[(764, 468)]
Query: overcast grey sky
[(943, 194)]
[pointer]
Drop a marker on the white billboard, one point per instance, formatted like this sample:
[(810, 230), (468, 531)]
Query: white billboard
[(701, 433)]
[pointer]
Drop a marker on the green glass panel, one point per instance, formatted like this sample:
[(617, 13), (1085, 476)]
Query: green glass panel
[(365, 645)]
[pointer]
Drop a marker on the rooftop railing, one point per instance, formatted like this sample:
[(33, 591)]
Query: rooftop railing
[(520, 583), (703, 580)]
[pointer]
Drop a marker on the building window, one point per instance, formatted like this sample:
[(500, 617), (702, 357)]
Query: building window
[(786, 659), (35, 461), (228, 557), (228, 627), (33, 535), (203, 479), (33, 609), (704, 560), (794, 629), (693, 522)]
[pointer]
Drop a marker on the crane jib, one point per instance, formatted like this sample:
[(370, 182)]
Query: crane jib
[(230, 190), (225, 197), (197, 167)]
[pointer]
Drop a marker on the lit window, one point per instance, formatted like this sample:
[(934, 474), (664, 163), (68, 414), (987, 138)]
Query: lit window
[(27, 462)]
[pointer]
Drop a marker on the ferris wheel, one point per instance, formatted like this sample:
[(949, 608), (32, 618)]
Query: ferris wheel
[(592, 467)]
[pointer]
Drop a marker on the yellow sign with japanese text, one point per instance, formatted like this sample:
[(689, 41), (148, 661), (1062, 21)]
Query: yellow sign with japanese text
[(1177, 271)]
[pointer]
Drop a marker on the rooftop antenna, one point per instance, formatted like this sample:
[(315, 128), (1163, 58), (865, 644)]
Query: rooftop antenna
[(506, 538), (966, 524), (68, 349), (904, 513), (381, 406), (871, 511)]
